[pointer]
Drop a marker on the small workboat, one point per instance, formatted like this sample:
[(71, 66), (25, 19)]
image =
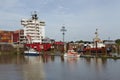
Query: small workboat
[(71, 53), (31, 52)]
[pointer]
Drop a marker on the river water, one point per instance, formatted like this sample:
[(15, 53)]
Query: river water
[(58, 68)]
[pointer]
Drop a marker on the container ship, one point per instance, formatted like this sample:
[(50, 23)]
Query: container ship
[(34, 35)]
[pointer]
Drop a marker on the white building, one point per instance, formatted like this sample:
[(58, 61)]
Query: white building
[(34, 30)]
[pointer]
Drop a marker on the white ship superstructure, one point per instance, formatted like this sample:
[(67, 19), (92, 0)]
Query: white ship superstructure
[(97, 41), (34, 30)]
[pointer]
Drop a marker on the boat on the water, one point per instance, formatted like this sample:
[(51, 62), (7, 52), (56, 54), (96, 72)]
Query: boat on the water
[(31, 52), (97, 46), (33, 36), (71, 53)]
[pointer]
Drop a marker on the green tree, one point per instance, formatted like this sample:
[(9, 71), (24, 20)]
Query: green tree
[(117, 41), (81, 41)]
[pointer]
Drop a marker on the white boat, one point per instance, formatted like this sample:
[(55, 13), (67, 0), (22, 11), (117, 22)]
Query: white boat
[(71, 53), (31, 52)]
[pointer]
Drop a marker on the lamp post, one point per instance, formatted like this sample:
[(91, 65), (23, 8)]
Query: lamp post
[(63, 30)]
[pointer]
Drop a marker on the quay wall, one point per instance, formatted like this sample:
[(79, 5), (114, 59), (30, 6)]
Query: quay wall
[(6, 48), (79, 46)]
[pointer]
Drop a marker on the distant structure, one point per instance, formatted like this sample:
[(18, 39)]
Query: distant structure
[(9, 36), (34, 30), (97, 41), (63, 30)]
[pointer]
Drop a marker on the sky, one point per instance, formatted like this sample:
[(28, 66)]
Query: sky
[(80, 17)]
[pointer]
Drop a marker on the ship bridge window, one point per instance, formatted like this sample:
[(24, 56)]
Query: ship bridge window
[(30, 21), (41, 37), (22, 21), (42, 22)]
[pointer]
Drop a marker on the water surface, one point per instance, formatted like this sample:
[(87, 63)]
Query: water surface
[(58, 68)]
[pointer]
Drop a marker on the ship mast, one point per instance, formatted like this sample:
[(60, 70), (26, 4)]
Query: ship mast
[(96, 39), (35, 18)]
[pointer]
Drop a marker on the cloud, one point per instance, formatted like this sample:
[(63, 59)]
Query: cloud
[(79, 16), (5, 4), (10, 21)]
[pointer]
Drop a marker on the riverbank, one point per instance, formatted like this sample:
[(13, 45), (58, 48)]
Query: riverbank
[(8, 48), (49, 53), (104, 56)]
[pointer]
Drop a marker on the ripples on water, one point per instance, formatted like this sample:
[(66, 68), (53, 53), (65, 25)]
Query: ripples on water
[(58, 68)]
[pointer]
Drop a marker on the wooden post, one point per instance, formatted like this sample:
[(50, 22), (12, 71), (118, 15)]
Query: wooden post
[(18, 49), (96, 48)]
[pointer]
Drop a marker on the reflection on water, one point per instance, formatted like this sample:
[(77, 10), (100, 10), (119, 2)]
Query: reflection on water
[(47, 67), (33, 70)]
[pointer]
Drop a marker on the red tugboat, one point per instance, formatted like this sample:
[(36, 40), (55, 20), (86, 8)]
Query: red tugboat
[(97, 46)]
